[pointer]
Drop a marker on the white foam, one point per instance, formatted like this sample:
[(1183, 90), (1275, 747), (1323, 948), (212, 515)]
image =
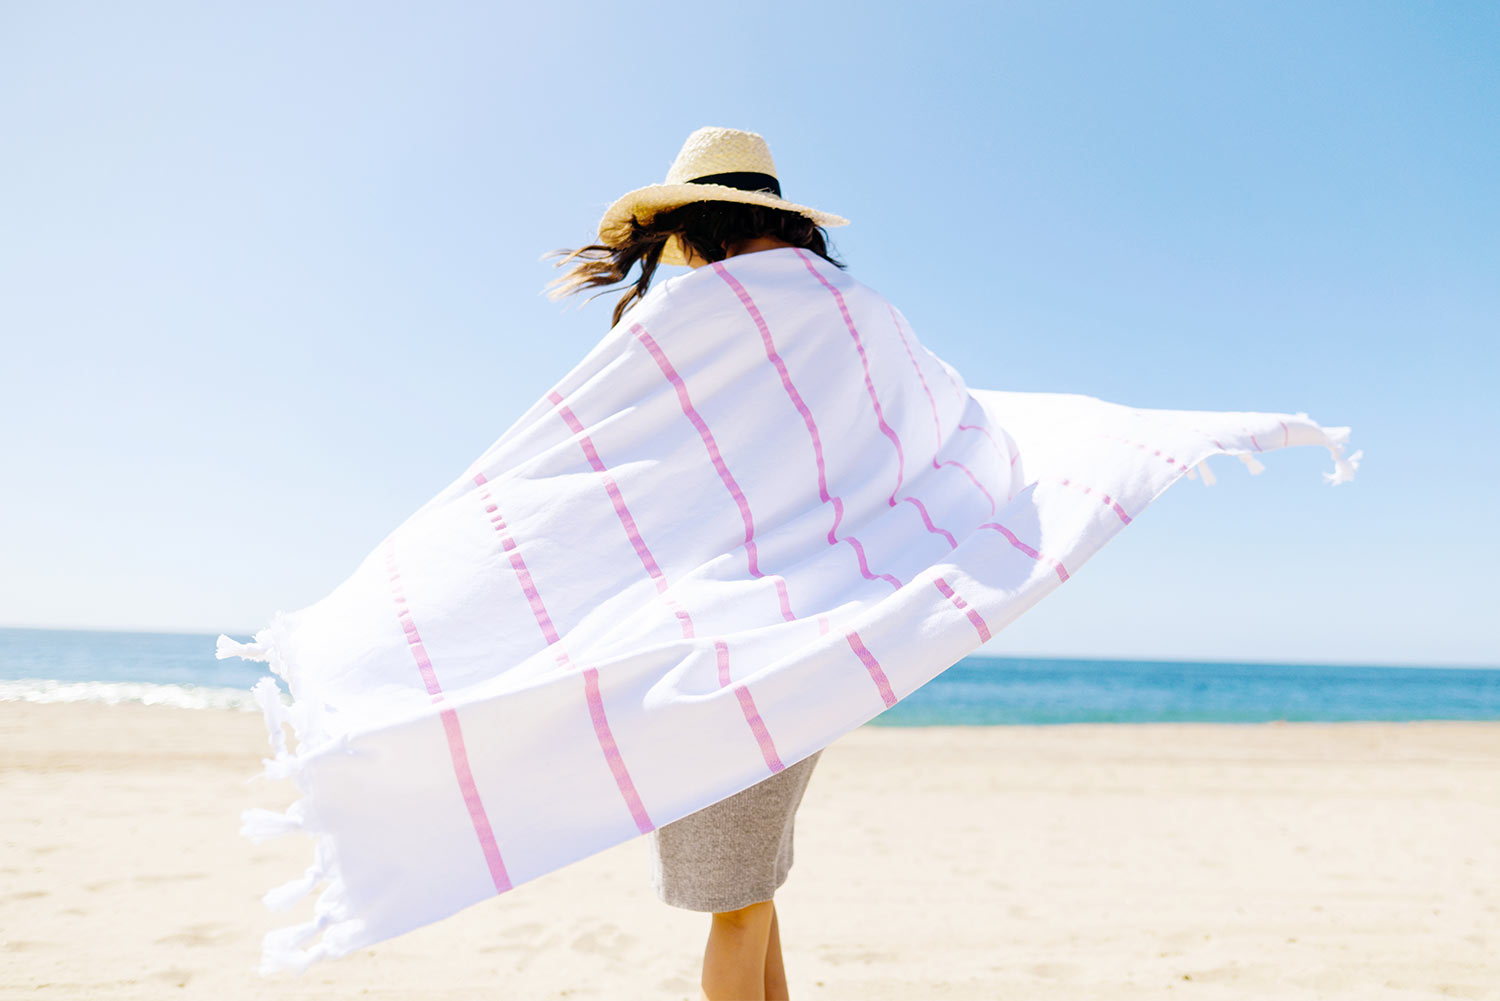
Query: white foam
[(113, 692)]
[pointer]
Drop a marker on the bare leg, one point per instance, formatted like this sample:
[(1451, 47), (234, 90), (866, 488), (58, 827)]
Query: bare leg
[(734, 961), (776, 989)]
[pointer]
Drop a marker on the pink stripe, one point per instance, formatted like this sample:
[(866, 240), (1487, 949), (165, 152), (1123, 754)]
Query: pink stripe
[(1286, 434), (596, 705), (408, 626), (876, 673), (807, 419), (721, 649), (783, 597), (927, 521), (747, 706), (758, 727), (937, 425), (780, 366), (1010, 536), (1154, 451), (727, 478), (1001, 452), (963, 606), (1104, 499), (1216, 443), (963, 399), (538, 610), (976, 427), (477, 817), (618, 500), (873, 666), (864, 363), (602, 731), (864, 567), (972, 479), (612, 751), (822, 625), (1023, 547), (451, 729)]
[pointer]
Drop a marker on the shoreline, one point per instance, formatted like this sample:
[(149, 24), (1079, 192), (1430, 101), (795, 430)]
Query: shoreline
[(43, 691), (1093, 860)]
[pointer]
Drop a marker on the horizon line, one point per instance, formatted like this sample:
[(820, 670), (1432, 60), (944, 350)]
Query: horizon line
[(980, 654)]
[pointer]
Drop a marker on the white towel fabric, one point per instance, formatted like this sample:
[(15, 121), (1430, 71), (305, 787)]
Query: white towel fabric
[(755, 515)]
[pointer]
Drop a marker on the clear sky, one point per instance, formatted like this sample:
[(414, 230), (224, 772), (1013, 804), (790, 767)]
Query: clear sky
[(270, 276)]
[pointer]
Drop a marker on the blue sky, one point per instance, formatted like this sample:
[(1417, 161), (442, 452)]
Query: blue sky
[(270, 276)]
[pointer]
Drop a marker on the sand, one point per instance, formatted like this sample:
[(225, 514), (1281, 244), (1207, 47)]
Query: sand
[(1115, 862)]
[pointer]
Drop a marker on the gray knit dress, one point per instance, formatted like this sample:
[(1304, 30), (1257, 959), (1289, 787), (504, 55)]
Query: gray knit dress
[(732, 853)]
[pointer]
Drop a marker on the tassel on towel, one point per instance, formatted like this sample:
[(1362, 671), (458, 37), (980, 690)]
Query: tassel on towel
[(226, 647)]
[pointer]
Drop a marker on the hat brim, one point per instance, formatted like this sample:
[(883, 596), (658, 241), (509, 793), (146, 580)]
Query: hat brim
[(645, 203)]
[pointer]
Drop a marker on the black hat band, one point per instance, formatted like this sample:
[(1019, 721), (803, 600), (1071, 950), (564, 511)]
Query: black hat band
[(745, 180)]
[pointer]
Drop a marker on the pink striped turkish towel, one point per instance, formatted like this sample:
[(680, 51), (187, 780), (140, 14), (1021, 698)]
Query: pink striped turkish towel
[(755, 515)]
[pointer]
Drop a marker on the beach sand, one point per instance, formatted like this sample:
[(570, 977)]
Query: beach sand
[(1281, 861)]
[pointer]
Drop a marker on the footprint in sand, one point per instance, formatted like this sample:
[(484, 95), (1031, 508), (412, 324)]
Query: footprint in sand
[(175, 976), (523, 939), (607, 941), (197, 935), (1053, 971), (523, 930), (676, 985)]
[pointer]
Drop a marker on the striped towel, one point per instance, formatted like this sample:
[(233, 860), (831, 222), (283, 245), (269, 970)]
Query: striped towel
[(755, 515)]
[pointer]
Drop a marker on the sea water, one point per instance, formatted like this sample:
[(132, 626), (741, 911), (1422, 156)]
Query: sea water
[(46, 665)]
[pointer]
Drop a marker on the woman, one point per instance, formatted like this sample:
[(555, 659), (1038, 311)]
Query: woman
[(729, 858), (755, 515)]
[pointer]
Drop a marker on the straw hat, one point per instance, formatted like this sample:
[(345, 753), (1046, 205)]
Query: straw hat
[(714, 165)]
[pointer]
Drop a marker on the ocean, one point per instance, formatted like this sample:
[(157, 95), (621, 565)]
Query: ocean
[(53, 665)]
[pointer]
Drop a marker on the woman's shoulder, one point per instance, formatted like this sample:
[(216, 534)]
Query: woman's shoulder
[(788, 274), (793, 269), (670, 293), (683, 298)]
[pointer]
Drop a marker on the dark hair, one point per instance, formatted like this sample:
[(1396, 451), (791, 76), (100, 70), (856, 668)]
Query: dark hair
[(707, 229)]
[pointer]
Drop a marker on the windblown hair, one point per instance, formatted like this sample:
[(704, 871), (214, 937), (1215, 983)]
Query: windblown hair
[(707, 229)]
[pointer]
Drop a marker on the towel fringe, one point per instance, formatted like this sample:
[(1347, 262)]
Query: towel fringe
[(283, 949), (1296, 429), (261, 825), (333, 931), (254, 650), (1344, 467), (284, 896), (277, 714), (1337, 440), (268, 697)]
